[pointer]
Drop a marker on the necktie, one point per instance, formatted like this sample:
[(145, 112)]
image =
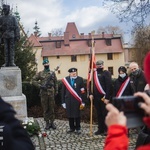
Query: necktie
[(72, 82)]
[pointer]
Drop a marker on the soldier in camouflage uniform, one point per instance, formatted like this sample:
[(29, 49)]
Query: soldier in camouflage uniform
[(46, 80), (10, 33)]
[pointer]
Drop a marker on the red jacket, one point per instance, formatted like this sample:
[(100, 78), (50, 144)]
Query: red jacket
[(117, 138)]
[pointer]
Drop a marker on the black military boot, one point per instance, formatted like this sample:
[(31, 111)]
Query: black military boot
[(12, 64), (6, 62), (47, 125), (52, 125), (11, 56)]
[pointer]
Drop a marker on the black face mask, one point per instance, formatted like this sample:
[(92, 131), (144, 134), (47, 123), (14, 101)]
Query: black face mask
[(136, 72), (99, 69), (46, 67)]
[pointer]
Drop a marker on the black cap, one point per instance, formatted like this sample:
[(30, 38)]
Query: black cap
[(123, 69), (72, 70)]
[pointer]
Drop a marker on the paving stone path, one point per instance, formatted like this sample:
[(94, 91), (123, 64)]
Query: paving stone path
[(59, 140)]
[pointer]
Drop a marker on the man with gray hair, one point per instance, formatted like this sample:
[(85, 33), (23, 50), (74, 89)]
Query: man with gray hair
[(102, 85), (137, 79)]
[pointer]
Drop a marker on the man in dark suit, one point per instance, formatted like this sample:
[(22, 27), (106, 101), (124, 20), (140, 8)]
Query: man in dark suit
[(101, 94), (73, 99)]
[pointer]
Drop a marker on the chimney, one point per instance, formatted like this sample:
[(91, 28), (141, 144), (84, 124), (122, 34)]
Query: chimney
[(35, 34), (103, 36), (82, 35), (90, 36), (49, 35), (66, 38)]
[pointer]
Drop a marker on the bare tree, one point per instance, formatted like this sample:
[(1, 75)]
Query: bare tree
[(110, 30), (141, 42), (57, 32), (129, 10)]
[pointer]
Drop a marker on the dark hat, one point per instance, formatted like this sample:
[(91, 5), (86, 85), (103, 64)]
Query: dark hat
[(6, 6), (123, 69), (72, 70), (45, 61), (99, 62)]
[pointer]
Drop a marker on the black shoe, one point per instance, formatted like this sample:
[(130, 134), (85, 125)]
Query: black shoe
[(70, 131), (47, 126), (78, 132), (53, 126)]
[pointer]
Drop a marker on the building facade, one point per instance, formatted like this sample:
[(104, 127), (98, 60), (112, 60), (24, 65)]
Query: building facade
[(73, 50)]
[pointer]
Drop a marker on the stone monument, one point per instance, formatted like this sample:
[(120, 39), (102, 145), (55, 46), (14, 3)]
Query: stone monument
[(10, 74)]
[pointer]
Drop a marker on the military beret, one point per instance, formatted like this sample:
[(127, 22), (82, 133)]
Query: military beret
[(45, 61), (122, 68), (99, 62), (72, 70)]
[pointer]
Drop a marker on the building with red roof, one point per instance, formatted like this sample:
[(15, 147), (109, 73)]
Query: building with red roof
[(73, 50)]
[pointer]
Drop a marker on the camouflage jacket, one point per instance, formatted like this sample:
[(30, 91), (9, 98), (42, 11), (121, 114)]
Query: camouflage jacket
[(42, 77)]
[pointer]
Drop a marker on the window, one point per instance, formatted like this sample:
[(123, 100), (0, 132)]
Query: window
[(73, 36), (58, 71), (73, 58), (58, 44), (111, 70), (109, 56), (108, 42), (89, 43), (57, 57)]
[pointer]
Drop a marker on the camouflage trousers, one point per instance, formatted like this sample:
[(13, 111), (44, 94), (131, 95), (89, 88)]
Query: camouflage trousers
[(48, 104)]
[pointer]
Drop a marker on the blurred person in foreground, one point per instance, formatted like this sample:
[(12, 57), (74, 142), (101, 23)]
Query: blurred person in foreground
[(12, 134), (116, 121)]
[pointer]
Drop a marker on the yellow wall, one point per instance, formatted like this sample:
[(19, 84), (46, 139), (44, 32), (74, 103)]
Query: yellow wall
[(81, 64)]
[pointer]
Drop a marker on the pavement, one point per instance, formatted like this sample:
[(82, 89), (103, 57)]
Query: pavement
[(59, 139)]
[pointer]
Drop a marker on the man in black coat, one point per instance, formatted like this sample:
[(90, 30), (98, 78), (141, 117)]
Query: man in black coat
[(101, 94), (73, 94), (12, 134), (137, 78)]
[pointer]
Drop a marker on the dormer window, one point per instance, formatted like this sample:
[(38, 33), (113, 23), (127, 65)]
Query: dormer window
[(58, 44), (108, 42), (73, 36)]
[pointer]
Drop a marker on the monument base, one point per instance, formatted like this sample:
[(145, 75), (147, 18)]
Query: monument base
[(19, 104)]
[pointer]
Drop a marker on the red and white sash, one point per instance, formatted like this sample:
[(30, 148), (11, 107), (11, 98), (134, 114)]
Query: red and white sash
[(123, 87), (71, 90), (97, 83)]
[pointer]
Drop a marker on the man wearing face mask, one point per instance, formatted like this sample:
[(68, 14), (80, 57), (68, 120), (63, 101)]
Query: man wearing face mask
[(137, 79), (73, 98), (102, 85), (46, 80), (122, 86)]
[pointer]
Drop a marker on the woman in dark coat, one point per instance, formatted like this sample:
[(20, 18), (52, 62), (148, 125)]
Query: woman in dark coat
[(122, 86), (72, 98)]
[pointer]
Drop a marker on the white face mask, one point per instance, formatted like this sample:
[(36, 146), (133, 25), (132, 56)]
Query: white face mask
[(74, 77), (122, 75)]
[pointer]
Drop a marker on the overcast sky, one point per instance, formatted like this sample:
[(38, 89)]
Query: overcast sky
[(50, 14)]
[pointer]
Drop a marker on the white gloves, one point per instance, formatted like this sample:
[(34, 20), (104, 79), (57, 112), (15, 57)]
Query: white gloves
[(64, 105)]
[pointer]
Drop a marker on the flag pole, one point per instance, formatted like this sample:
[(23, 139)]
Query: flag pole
[(91, 86)]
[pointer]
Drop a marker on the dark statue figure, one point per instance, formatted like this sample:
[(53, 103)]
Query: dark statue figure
[(10, 33)]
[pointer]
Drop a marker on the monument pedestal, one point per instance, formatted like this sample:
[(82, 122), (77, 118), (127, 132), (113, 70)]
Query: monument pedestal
[(11, 90)]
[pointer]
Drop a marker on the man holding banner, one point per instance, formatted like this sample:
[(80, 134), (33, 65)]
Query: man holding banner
[(73, 94), (101, 95)]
